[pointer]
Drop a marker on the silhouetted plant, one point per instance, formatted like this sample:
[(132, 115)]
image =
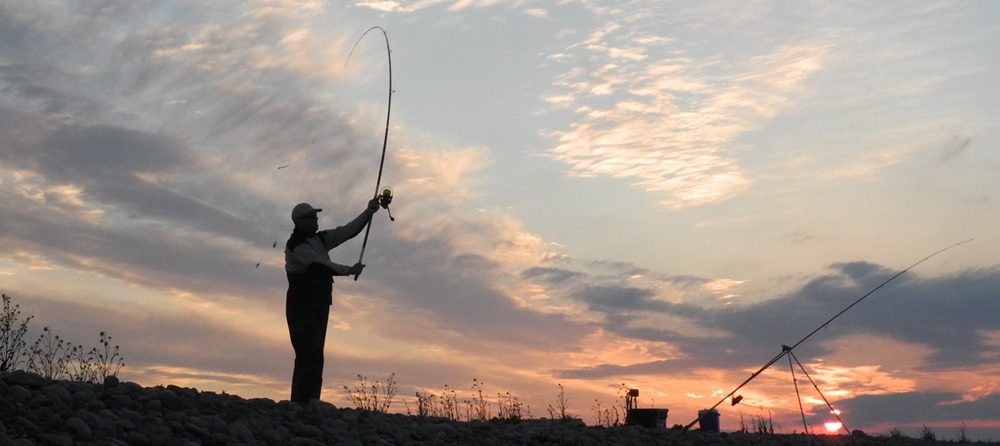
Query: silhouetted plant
[(927, 434), (510, 408), (605, 416), (375, 396), (431, 405), (49, 356), (448, 404), (559, 410), (962, 431), (763, 425), (444, 406), (479, 407), (107, 360), (611, 416), (12, 330), (896, 434), (79, 365), (425, 404)]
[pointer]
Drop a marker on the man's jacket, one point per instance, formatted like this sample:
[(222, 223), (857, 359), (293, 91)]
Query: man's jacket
[(307, 261)]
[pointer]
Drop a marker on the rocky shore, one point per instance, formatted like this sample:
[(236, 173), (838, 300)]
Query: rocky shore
[(36, 411)]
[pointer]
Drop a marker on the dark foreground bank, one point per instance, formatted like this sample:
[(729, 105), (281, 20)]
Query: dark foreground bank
[(35, 411)]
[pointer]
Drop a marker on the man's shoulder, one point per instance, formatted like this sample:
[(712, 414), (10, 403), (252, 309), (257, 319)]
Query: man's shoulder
[(295, 240)]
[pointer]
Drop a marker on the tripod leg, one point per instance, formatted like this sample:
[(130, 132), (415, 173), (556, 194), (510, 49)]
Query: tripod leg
[(835, 412), (798, 398)]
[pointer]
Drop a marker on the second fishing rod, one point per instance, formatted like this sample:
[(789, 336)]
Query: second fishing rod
[(788, 350)]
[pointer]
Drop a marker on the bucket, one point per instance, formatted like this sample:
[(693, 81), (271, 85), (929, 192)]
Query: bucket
[(656, 418), (708, 420)]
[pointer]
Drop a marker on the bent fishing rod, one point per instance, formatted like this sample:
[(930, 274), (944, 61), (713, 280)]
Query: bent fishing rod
[(384, 196), (787, 350)]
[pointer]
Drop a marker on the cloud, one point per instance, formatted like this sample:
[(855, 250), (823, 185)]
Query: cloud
[(665, 120), (551, 275), (609, 299), (383, 6), (946, 316), (898, 408)]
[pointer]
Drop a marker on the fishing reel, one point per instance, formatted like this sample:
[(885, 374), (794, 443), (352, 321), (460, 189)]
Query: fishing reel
[(384, 199)]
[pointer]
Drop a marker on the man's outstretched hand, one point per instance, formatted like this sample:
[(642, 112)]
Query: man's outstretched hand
[(373, 205), (356, 269)]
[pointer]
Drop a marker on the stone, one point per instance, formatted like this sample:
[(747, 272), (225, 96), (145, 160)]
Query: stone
[(196, 429), (26, 424), (79, 428), (302, 441), (153, 405), (25, 379), (120, 401), (95, 422), (18, 393), (56, 439), (110, 381), (58, 392), (242, 432), (136, 438), (83, 397), (307, 431)]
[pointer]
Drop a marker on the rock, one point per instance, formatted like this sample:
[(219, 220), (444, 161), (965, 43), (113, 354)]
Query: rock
[(197, 430), (157, 431), (110, 381), (120, 401), (153, 405), (93, 421), (79, 428), (301, 441), (25, 379), (136, 438), (128, 388), (83, 397), (26, 424), (18, 393), (307, 431), (58, 392), (56, 439), (242, 433)]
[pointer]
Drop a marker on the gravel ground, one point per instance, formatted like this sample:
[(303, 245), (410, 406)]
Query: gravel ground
[(36, 411)]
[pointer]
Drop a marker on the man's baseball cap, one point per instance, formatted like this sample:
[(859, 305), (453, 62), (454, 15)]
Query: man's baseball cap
[(303, 210)]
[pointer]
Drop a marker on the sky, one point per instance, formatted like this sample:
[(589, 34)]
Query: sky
[(587, 193)]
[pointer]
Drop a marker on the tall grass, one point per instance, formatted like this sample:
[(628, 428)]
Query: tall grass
[(51, 356)]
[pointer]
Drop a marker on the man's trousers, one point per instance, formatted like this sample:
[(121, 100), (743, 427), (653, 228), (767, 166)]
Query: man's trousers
[(307, 322)]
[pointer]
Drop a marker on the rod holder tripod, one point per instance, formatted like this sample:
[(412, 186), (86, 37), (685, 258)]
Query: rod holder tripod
[(787, 350)]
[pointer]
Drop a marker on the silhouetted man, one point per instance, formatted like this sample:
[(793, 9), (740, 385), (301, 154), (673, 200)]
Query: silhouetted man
[(310, 286)]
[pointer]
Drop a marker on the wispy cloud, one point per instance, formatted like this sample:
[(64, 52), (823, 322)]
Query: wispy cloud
[(671, 123)]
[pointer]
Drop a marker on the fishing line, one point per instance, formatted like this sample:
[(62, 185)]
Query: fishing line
[(386, 196), (383, 196), (785, 350)]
